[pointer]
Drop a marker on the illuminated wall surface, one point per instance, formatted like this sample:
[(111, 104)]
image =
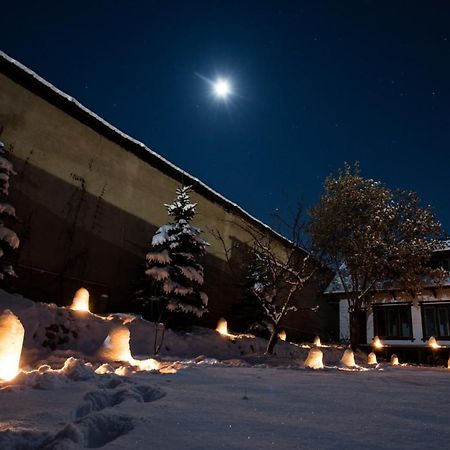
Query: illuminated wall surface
[(90, 199)]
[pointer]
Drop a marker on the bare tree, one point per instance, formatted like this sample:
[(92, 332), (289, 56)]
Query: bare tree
[(283, 269)]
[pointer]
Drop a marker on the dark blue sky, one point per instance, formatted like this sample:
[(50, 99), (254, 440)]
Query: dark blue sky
[(316, 83)]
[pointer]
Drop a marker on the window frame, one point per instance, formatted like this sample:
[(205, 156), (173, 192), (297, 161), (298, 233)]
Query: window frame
[(435, 305), (396, 305)]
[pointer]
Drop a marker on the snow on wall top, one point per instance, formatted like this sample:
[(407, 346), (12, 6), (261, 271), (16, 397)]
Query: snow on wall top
[(25, 76), (337, 287)]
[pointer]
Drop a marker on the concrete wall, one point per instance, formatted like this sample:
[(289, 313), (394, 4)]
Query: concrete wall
[(89, 207)]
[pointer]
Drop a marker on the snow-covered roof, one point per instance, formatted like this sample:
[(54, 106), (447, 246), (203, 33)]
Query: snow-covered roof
[(337, 287), (38, 85)]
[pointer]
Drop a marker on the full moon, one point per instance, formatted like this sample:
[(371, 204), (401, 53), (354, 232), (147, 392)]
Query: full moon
[(222, 88)]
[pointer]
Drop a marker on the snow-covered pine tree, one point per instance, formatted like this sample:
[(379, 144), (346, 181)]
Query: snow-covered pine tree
[(173, 262), (8, 238)]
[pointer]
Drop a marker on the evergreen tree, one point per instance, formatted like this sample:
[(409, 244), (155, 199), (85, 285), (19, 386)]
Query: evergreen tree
[(173, 269), (8, 238)]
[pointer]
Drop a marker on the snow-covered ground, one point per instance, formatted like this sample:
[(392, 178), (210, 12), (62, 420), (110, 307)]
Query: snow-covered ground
[(207, 406), (232, 397)]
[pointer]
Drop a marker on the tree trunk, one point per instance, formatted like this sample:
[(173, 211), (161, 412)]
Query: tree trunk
[(354, 330), (272, 341)]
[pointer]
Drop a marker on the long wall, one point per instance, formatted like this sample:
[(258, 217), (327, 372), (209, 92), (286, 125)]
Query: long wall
[(90, 198)]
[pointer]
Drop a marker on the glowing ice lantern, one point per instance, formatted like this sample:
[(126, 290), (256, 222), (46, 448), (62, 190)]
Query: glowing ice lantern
[(377, 343), (222, 327), (372, 358), (433, 343), (11, 340), (282, 335), (394, 360), (348, 358), (117, 348), (81, 300), (117, 345), (314, 359), (317, 342), (448, 363)]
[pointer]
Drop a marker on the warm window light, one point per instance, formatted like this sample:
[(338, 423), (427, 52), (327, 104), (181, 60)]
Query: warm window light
[(377, 343), (317, 342), (282, 335), (81, 300), (11, 341), (433, 343), (222, 327)]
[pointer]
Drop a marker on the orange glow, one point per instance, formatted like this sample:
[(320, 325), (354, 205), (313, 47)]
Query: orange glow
[(222, 327), (81, 300), (117, 348), (317, 342), (11, 341), (348, 358), (377, 343), (282, 335), (394, 360), (372, 358), (314, 359), (433, 343)]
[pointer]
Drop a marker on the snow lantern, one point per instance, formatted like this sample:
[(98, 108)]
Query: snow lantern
[(11, 340), (317, 342), (433, 343), (117, 345), (222, 327), (282, 335), (81, 300), (117, 348), (448, 363), (394, 360), (348, 358), (377, 343), (372, 358), (314, 359)]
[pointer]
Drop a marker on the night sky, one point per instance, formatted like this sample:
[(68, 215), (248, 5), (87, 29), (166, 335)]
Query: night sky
[(315, 83)]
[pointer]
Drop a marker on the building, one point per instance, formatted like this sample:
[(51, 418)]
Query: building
[(403, 321), (90, 198)]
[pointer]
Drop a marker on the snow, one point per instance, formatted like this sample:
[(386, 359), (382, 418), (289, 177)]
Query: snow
[(6, 208), (191, 273), (314, 359), (162, 234), (158, 273), (9, 236), (159, 257), (211, 391), (372, 358), (215, 406), (348, 358)]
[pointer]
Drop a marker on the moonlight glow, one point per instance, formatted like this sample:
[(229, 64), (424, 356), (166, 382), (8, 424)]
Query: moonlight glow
[(222, 88)]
